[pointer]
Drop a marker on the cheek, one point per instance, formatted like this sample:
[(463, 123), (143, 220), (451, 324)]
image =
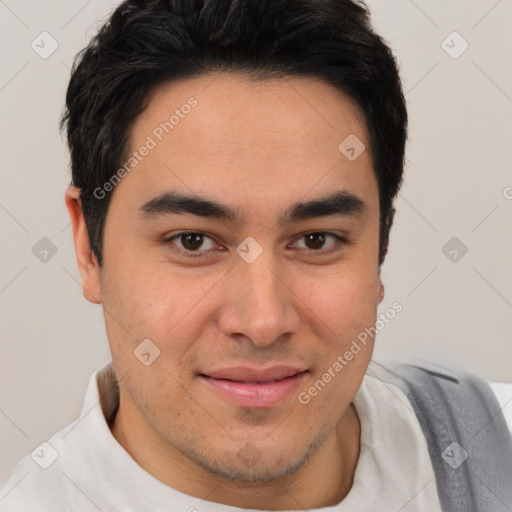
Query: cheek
[(156, 303), (344, 313), (343, 300)]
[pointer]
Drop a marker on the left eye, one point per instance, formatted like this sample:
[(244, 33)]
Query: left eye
[(318, 239), (192, 241)]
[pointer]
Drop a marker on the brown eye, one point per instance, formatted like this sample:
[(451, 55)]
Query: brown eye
[(315, 241), (189, 243)]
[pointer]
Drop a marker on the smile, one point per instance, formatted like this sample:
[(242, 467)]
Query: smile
[(247, 389)]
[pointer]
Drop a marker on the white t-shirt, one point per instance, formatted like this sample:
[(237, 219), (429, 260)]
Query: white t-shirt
[(84, 468)]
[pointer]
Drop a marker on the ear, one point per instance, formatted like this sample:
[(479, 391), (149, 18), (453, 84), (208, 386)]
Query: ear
[(87, 262), (380, 291)]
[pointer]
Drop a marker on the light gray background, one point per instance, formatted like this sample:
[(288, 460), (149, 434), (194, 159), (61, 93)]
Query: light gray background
[(458, 170)]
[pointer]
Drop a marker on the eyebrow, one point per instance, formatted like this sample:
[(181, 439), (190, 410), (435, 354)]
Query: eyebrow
[(342, 203)]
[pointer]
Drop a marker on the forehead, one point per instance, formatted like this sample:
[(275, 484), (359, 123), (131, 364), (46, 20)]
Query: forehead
[(215, 135), (232, 108)]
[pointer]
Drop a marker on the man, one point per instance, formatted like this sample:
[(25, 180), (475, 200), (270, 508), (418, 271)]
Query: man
[(234, 165)]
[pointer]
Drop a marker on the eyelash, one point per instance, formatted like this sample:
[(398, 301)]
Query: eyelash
[(340, 240)]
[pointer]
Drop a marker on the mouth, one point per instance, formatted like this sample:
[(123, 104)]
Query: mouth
[(247, 387)]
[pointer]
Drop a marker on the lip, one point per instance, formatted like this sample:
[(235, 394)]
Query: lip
[(253, 375), (247, 387)]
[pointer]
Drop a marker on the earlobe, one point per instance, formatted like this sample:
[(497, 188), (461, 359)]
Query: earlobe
[(86, 260), (381, 291)]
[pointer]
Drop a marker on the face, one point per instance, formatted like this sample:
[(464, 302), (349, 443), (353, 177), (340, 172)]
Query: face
[(249, 302)]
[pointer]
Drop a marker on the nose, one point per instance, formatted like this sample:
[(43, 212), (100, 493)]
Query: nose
[(260, 305)]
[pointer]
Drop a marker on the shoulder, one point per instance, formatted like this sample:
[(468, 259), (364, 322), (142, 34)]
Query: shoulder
[(503, 393), (439, 392), (38, 482), (52, 476)]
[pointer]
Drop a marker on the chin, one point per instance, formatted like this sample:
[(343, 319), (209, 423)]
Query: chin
[(253, 465)]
